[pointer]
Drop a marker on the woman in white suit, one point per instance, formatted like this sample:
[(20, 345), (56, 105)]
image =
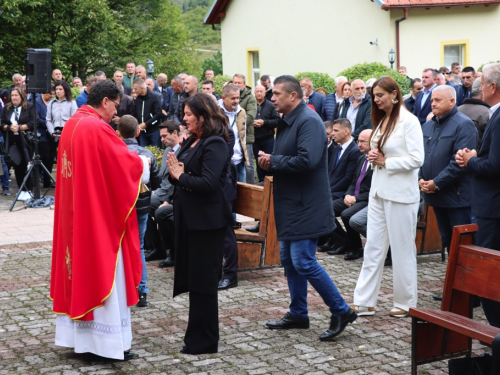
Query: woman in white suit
[(396, 156)]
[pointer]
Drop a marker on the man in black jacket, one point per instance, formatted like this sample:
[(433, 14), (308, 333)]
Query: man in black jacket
[(127, 130), (445, 185), (354, 200), (177, 95), (358, 109), (415, 89), (148, 114), (265, 123)]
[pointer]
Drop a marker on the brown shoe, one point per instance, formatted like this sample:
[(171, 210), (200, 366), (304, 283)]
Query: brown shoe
[(362, 310), (398, 313)]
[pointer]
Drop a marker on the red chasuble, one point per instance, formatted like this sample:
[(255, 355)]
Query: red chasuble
[(98, 182)]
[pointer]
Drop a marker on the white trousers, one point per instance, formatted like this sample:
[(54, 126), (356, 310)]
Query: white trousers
[(110, 333), (394, 224)]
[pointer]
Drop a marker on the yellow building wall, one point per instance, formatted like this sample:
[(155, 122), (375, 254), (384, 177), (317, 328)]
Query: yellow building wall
[(296, 35)]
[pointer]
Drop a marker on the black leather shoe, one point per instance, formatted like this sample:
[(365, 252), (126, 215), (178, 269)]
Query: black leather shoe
[(143, 302), (168, 262), (289, 322), (437, 297), (128, 355), (327, 246), (254, 229), (155, 254), (184, 350), (339, 250), (338, 324), (354, 255), (227, 284)]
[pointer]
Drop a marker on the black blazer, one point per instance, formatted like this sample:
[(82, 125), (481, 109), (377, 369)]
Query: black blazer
[(422, 113), (363, 117), (26, 116), (342, 174), (366, 182), (485, 169), (198, 194)]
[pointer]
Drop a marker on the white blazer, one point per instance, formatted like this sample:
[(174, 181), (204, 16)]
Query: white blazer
[(404, 152)]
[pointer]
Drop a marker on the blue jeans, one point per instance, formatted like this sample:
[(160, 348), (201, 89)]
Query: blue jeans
[(150, 139), (299, 260), (241, 172), (143, 223)]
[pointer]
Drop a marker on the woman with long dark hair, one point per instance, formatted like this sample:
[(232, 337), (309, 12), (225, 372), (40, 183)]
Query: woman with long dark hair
[(397, 153), (201, 213), (17, 118), (61, 108)]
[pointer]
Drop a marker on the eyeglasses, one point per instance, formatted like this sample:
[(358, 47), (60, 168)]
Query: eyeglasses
[(117, 105), (447, 73)]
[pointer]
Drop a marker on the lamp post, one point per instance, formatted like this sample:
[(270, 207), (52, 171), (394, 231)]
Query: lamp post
[(150, 67), (392, 57)]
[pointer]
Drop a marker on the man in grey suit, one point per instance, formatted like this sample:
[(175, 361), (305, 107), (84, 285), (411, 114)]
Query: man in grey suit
[(161, 209)]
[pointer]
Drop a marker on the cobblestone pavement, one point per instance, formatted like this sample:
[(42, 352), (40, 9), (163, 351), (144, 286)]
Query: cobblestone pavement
[(373, 345)]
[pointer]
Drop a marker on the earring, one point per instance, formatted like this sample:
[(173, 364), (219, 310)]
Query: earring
[(395, 101)]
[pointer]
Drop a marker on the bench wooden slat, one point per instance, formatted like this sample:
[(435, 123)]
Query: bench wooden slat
[(244, 235), (458, 323), (249, 201)]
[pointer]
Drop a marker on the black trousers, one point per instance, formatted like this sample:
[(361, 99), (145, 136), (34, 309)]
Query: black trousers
[(349, 237), (202, 334), (488, 235), (159, 231), (164, 217), (230, 269), (447, 218), (21, 169), (47, 158)]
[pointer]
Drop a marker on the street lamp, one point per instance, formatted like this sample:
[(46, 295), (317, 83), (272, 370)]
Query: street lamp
[(392, 56), (150, 67)]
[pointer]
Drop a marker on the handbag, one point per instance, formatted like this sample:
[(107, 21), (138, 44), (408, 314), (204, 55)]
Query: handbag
[(470, 366)]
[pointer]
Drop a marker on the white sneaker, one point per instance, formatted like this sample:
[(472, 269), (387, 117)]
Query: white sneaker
[(24, 196), (363, 310)]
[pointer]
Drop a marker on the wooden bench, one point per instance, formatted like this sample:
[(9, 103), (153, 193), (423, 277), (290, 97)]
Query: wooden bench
[(261, 249), (428, 238), (448, 332)]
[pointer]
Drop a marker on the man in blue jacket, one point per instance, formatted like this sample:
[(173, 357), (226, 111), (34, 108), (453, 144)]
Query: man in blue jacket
[(333, 99), (423, 101), (315, 99), (445, 185), (303, 207)]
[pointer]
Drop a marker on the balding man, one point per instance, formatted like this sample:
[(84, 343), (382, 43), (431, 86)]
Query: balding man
[(358, 108), (445, 185), (165, 91), (118, 78), (209, 74), (190, 89), (140, 72), (82, 98), (17, 81), (177, 95), (57, 75), (315, 99), (475, 109), (148, 114), (333, 100), (354, 200)]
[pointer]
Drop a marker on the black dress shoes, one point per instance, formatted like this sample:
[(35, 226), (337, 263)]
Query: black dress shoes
[(155, 254), (128, 355), (227, 284), (355, 254), (437, 297), (289, 322), (143, 302), (338, 324), (254, 229), (339, 250), (327, 246), (168, 262)]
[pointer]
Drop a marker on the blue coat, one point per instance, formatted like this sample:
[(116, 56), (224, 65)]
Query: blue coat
[(442, 139), (341, 173), (422, 113), (303, 207), (329, 107), (485, 169), (317, 100)]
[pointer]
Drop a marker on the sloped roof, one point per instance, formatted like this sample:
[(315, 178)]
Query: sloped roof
[(393, 4), (216, 12)]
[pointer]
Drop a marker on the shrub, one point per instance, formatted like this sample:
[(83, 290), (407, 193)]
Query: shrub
[(157, 153), (219, 83), (319, 80), (491, 62), (376, 70)]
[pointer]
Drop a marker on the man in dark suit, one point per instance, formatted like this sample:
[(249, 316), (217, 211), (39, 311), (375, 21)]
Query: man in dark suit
[(355, 199), (484, 165), (315, 99), (161, 209), (415, 89), (357, 109), (423, 101), (342, 167)]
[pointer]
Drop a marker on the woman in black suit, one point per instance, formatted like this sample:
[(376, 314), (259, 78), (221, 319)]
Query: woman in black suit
[(201, 215), (17, 117)]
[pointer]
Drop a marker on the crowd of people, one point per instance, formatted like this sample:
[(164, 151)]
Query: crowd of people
[(365, 155)]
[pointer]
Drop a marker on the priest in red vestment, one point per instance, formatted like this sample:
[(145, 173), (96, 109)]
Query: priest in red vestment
[(96, 260)]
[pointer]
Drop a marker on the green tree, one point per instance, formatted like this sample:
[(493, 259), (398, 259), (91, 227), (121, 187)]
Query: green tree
[(90, 35), (214, 63), (201, 34)]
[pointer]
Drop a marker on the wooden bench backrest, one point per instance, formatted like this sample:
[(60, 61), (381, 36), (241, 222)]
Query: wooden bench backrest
[(469, 270), (250, 200)]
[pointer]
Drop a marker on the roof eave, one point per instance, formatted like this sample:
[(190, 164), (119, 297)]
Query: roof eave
[(440, 5)]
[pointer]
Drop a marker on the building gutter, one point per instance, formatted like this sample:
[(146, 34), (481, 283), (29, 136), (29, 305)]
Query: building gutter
[(398, 21)]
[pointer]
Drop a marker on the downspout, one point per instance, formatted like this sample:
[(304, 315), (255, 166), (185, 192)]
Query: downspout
[(398, 21)]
